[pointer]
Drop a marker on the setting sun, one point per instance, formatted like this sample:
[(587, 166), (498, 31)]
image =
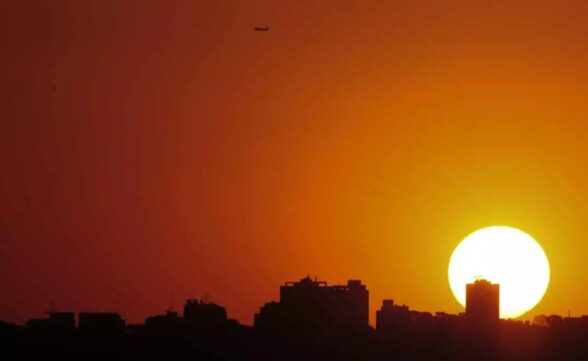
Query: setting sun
[(506, 256)]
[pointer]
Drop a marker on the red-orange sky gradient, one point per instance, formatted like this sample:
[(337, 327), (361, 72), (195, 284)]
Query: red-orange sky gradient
[(153, 151)]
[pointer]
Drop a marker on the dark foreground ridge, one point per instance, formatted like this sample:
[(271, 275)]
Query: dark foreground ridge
[(311, 321)]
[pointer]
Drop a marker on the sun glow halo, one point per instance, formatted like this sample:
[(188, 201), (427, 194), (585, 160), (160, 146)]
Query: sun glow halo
[(506, 256)]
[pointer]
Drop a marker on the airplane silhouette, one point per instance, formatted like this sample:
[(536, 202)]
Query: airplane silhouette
[(257, 28)]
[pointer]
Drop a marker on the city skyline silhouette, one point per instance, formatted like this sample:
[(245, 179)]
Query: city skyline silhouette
[(483, 296), (310, 320)]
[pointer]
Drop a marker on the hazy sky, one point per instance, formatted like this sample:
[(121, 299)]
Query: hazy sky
[(153, 151)]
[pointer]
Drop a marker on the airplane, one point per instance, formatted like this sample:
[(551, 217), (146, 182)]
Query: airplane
[(257, 28)]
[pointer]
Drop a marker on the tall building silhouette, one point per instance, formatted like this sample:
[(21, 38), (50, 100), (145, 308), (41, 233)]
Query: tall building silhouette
[(482, 302), (314, 305), (482, 316)]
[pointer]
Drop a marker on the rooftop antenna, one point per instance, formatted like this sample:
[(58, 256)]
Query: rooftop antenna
[(51, 306)]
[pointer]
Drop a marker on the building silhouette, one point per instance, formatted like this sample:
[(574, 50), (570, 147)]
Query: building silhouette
[(101, 323), (204, 313), (482, 302), (170, 323), (201, 315), (392, 319), (313, 305), (56, 323), (482, 316)]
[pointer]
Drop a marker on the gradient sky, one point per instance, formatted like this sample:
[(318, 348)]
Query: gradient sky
[(152, 151)]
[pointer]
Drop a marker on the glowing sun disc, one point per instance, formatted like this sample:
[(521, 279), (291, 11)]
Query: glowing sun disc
[(506, 256)]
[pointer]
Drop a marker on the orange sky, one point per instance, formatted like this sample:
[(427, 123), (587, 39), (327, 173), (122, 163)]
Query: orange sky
[(153, 151)]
